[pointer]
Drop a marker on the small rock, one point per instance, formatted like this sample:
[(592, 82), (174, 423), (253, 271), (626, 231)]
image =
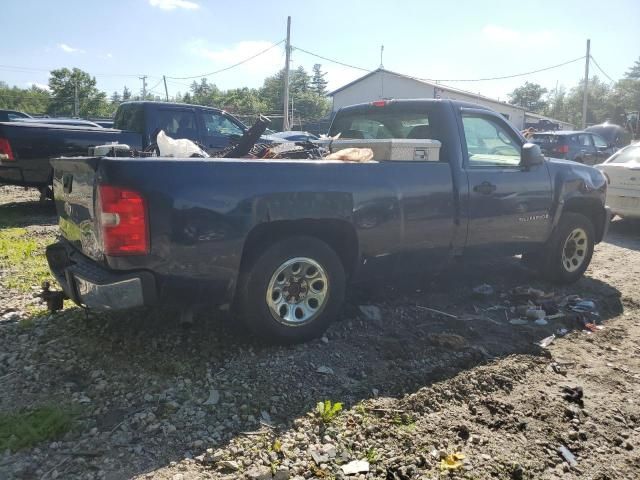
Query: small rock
[(214, 397), (259, 473), (371, 312), (324, 339), (282, 474), (324, 369), (229, 465)]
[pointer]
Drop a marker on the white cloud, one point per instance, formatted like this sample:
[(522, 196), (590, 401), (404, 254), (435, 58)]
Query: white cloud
[(516, 38), (68, 49), (41, 86), (173, 4), (109, 55), (265, 64)]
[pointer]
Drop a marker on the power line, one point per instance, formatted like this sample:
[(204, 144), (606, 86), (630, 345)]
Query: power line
[(331, 60), (447, 79), (230, 66), (602, 71)]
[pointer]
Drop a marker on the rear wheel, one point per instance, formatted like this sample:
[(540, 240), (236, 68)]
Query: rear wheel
[(292, 291), (570, 249)]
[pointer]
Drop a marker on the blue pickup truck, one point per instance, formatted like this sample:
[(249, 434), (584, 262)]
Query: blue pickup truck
[(27, 147), (278, 241)]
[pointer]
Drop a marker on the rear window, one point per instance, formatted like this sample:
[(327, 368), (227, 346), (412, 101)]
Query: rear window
[(383, 125), (130, 118), (546, 139), (627, 155)]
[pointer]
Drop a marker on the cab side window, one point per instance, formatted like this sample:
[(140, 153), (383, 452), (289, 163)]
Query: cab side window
[(489, 143), (584, 140), (599, 142)]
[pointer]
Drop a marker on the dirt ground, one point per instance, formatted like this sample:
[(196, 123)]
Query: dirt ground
[(148, 398)]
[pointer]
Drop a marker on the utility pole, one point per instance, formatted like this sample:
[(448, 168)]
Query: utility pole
[(144, 86), (166, 92), (76, 101), (285, 120), (586, 85), (381, 53)]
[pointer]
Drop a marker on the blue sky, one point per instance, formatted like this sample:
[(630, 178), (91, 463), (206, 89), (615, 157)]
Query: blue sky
[(118, 40)]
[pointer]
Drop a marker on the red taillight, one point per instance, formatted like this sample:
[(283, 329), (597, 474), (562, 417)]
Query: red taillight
[(562, 149), (123, 218), (379, 103), (5, 150)]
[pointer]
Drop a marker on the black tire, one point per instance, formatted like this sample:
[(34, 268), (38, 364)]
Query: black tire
[(577, 250), (254, 282)]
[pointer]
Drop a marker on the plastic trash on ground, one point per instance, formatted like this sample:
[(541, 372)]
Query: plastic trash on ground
[(452, 461), (180, 148)]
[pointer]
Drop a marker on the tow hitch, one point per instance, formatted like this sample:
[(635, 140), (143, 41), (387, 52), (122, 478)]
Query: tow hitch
[(54, 299)]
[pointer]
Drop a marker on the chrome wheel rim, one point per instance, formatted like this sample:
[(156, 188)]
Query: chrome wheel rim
[(575, 250), (298, 291)]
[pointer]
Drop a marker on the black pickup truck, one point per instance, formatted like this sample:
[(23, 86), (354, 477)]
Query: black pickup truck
[(279, 240), (26, 148)]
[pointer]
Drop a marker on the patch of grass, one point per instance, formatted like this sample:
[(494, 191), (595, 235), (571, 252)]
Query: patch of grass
[(29, 427), (327, 410), (22, 258), (26, 323), (405, 422), (372, 455)]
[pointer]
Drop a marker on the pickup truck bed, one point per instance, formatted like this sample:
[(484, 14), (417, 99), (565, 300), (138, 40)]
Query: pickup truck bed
[(279, 240)]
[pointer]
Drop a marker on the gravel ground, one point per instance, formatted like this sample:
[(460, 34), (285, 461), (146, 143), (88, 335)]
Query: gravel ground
[(151, 399)]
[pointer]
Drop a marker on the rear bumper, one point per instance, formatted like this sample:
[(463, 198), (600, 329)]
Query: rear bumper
[(15, 175), (93, 286)]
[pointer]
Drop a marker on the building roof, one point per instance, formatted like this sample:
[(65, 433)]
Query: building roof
[(426, 82)]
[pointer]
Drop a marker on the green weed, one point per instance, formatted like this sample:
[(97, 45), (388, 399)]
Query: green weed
[(22, 258), (327, 410), (29, 427)]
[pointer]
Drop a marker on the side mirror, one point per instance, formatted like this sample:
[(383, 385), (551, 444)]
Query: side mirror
[(531, 155)]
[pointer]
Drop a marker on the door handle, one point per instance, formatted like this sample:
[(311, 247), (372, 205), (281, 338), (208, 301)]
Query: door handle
[(486, 188)]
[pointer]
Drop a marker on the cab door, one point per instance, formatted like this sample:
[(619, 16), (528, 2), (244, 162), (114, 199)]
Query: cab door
[(508, 205), (588, 153), (217, 130)]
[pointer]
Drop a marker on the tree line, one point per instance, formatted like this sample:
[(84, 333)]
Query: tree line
[(307, 94), (606, 101)]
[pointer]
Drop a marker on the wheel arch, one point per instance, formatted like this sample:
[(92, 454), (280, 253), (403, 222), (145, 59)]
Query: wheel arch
[(590, 208), (340, 235)]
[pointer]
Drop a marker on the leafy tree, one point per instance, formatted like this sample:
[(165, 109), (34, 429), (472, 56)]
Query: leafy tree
[(529, 96), (599, 105), (63, 83), (205, 93), (634, 71), (115, 98), (243, 101), (32, 100), (126, 94), (318, 83)]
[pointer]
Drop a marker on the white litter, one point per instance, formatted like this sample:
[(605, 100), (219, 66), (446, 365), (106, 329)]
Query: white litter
[(356, 466), (214, 397), (181, 148)]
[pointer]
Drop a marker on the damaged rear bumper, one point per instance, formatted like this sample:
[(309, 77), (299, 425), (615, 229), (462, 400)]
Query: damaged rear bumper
[(94, 286)]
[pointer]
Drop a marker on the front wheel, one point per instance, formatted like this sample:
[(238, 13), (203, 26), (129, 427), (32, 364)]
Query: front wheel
[(570, 249), (292, 291)]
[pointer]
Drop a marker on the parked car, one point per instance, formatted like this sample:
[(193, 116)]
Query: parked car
[(622, 171), (296, 136), (27, 147), (72, 122), (278, 241), (11, 115), (615, 135), (583, 147)]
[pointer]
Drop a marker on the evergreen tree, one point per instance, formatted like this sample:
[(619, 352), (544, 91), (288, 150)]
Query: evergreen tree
[(126, 94), (318, 83), (634, 71)]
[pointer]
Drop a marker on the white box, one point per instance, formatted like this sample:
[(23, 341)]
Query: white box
[(393, 148)]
